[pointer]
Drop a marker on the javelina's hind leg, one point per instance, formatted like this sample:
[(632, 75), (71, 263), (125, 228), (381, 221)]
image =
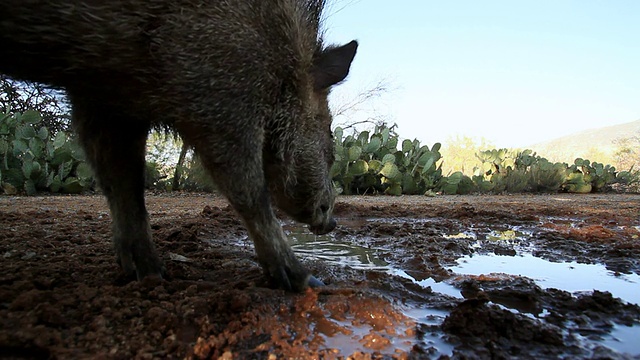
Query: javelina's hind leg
[(115, 146)]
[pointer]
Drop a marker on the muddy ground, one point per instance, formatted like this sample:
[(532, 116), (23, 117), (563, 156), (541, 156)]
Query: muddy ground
[(394, 268)]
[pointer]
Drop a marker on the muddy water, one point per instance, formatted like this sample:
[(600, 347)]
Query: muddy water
[(498, 254)]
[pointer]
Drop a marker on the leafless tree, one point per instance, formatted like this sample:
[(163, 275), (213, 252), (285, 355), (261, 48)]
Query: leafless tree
[(20, 96), (346, 108)]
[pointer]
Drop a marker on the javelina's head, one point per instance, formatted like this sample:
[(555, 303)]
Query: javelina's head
[(299, 173)]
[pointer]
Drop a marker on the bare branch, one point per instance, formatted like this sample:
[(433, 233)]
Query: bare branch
[(342, 7), (356, 123), (19, 96), (353, 105)]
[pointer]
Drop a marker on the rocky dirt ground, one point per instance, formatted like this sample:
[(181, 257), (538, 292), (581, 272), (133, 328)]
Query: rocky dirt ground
[(393, 291)]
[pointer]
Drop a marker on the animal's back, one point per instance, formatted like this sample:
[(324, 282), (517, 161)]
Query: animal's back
[(53, 41), (63, 42)]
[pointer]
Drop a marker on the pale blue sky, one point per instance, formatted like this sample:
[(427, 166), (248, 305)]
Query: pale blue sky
[(514, 72)]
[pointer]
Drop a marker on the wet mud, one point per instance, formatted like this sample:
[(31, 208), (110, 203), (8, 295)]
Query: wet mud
[(461, 277)]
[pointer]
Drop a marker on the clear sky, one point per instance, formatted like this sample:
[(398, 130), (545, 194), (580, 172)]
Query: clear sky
[(514, 72)]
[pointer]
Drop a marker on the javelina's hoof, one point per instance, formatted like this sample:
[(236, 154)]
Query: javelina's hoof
[(136, 276), (324, 228), (151, 266), (155, 273), (296, 280), (314, 282)]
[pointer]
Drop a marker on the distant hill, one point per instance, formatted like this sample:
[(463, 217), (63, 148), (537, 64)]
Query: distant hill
[(594, 144)]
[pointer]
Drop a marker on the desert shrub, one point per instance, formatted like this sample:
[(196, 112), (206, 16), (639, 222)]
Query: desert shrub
[(195, 177), (153, 178)]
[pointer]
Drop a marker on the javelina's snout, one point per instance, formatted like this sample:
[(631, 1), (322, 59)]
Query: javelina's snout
[(320, 220), (323, 220), (324, 228)]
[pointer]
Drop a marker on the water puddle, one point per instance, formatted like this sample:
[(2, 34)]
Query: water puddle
[(568, 276), (341, 253), (437, 286), (323, 247), (624, 339)]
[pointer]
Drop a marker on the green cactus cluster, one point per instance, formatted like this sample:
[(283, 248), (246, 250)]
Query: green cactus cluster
[(372, 163), (504, 170), (586, 176), (378, 163), (456, 183), (545, 176), (33, 160)]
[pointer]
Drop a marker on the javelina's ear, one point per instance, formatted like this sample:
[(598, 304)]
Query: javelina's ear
[(332, 66)]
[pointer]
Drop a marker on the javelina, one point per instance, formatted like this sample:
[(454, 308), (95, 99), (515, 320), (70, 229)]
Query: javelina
[(244, 82)]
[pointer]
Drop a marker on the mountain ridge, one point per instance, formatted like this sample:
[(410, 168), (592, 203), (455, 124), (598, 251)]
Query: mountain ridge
[(597, 144)]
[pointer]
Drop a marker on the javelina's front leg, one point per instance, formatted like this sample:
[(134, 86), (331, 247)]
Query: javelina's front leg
[(238, 174), (115, 146), (274, 253), (252, 201)]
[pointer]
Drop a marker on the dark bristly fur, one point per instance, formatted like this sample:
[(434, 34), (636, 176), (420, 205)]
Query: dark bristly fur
[(244, 82)]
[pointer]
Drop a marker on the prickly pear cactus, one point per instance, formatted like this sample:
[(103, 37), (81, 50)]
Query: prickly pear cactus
[(370, 162), (379, 163), (33, 161)]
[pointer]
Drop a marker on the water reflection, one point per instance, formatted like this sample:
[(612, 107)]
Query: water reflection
[(325, 248), (568, 276)]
